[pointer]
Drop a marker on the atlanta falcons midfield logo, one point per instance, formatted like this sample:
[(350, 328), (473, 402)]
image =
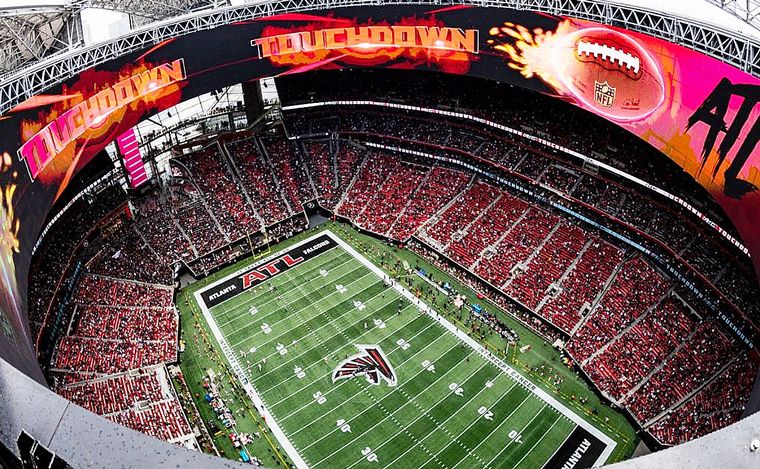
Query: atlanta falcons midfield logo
[(370, 362)]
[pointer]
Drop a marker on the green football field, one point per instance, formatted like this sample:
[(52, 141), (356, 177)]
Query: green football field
[(448, 403)]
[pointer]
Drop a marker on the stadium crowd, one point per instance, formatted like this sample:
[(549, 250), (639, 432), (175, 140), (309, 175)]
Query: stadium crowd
[(718, 404), (117, 325), (140, 399), (289, 172), (54, 253), (605, 193), (258, 180), (121, 332), (226, 202)]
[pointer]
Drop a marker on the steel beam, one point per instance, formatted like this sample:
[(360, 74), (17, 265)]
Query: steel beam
[(727, 46)]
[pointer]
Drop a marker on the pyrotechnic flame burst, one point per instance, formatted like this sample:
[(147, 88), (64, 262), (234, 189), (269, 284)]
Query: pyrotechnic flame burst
[(9, 245), (529, 51), (9, 242)]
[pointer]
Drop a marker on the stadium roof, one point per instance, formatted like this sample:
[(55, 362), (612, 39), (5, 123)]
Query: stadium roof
[(43, 42), (742, 16), (31, 30)]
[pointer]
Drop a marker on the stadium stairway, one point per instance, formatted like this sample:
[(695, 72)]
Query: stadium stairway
[(600, 295), (644, 380), (566, 273), (411, 199), (229, 162), (364, 159), (691, 394), (270, 168), (526, 262), (492, 246), (627, 328)]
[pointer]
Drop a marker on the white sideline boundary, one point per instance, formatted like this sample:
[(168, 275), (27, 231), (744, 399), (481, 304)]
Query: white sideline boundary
[(277, 431)]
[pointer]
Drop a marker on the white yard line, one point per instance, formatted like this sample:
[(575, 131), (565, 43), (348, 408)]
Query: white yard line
[(268, 342), (456, 438), (343, 382), (286, 275), (425, 414), (525, 399), (279, 307), (560, 445), (266, 303), (389, 416), (538, 440), (512, 441), (355, 395), (321, 377), (286, 317), (221, 307), (311, 348), (471, 451), (263, 306), (292, 453), (515, 375)]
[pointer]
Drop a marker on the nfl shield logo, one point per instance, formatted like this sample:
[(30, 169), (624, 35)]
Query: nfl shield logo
[(604, 94)]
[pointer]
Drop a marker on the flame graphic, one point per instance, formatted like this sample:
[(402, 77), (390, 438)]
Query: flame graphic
[(530, 51), (95, 138), (10, 224), (9, 245)]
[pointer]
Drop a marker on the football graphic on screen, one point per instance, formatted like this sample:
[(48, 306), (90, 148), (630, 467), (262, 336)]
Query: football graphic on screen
[(609, 73)]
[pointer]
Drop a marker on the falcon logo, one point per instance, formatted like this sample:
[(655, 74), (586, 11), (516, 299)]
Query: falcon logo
[(370, 362)]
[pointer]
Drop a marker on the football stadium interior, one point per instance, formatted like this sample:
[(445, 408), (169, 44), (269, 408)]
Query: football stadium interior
[(379, 234)]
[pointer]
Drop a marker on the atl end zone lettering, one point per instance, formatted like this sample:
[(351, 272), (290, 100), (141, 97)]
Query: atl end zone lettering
[(272, 267)]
